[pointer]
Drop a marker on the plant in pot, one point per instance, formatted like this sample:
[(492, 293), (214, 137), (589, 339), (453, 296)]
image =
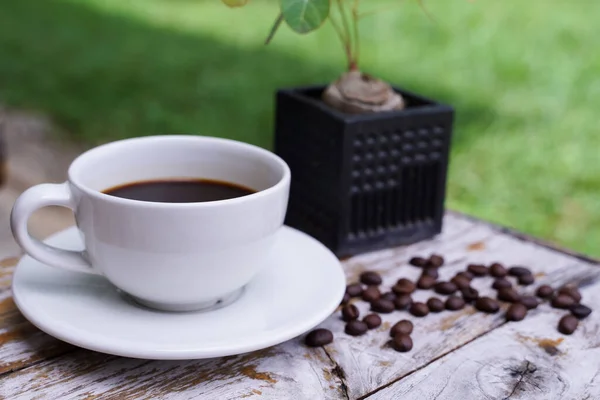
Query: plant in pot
[(369, 161)]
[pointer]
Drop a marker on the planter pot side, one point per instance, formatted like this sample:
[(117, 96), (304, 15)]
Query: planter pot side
[(364, 182)]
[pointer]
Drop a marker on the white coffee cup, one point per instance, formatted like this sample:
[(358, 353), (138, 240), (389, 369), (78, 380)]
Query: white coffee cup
[(167, 256)]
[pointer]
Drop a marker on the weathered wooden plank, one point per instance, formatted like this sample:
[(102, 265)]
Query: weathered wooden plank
[(368, 363), (520, 360), (286, 371)]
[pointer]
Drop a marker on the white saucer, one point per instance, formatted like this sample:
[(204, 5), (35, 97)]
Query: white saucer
[(301, 286)]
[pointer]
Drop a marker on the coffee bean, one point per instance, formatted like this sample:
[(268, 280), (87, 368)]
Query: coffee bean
[(516, 312), (508, 294), (404, 327), (497, 270), (580, 311), (356, 328), (469, 294), (526, 280), (370, 278), (518, 271), (445, 288), (383, 306), (567, 324), (487, 304), (404, 286), (466, 274), (389, 296), (530, 302), (403, 301), (345, 299), (435, 305), (426, 282), (571, 290), (436, 260), (418, 261), (544, 291), (350, 312), (461, 282), (501, 283), (432, 272), (454, 303), (402, 343), (478, 269), (372, 320), (419, 309), (354, 290), (318, 337), (562, 301), (371, 293)]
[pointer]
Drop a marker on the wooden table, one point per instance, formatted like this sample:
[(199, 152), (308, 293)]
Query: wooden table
[(456, 355)]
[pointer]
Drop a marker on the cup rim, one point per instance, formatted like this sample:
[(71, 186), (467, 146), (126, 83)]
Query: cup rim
[(283, 181)]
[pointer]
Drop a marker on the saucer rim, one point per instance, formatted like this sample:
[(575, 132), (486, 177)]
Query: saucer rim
[(78, 337)]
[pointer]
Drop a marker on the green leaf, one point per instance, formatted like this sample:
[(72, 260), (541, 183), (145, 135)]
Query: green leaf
[(235, 3), (304, 16)]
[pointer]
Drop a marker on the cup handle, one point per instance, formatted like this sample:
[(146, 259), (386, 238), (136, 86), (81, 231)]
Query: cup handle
[(34, 198)]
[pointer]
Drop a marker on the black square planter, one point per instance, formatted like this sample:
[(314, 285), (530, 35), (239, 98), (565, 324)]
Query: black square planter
[(364, 182)]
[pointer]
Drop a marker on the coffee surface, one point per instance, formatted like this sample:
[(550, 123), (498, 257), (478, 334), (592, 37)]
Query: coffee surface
[(179, 190)]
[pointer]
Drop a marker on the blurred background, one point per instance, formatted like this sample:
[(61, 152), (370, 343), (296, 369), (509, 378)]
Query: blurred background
[(524, 77)]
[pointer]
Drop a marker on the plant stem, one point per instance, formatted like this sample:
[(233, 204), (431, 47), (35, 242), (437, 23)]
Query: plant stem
[(348, 35), (340, 33), (356, 33)]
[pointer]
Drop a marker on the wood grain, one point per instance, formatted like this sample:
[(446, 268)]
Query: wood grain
[(524, 360), (349, 368)]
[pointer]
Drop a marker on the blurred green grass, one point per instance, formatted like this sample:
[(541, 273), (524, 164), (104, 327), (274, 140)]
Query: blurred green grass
[(524, 77)]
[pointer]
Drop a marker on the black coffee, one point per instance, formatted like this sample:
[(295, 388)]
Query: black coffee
[(179, 191)]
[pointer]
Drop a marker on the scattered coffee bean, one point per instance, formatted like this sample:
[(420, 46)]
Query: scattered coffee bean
[(402, 302), (487, 304), (544, 292), (530, 302), (345, 299), (516, 312), (383, 306), (454, 303), (318, 337), (389, 296), (445, 288), (432, 272), (469, 294), (371, 293), (466, 274), (580, 311), (404, 286), (571, 290), (404, 327), (402, 343), (372, 320), (426, 282), (501, 283), (435, 305), (436, 260), (518, 271), (478, 269), (418, 261), (562, 301), (497, 270), (419, 309), (350, 312), (508, 294), (526, 280), (461, 282), (567, 324), (370, 278), (354, 290), (356, 328)]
